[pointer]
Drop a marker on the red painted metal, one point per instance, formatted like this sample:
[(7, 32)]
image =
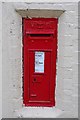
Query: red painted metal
[(39, 34)]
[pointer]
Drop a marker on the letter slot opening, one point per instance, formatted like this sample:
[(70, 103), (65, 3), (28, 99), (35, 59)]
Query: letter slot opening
[(39, 35)]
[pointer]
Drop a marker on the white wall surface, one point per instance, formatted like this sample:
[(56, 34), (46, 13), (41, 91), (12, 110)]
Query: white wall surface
[(48, 1), (67, 67), (0, 62), (12, 60)]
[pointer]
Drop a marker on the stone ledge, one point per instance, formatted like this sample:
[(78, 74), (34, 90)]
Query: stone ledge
[(47, 13), (38, 112)]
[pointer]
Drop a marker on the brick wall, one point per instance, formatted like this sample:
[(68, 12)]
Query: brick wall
[(67, 66)]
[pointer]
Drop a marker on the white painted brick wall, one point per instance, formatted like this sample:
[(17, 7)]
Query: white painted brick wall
[(12, 60), (67, 67), (1, 62)]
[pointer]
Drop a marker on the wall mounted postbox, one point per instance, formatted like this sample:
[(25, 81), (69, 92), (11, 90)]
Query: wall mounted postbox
[(39, 56)]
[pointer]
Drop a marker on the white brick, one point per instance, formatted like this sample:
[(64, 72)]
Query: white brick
[(65, 51), (68, 18), (15, 52), (71, 6), (64, 73), (67, 84), (16, 93), (67, 73), (67, 105), (17, 103), (67, 97), (65, 61), (68, 40), (75, 57), (75, 71), (75, 90), (75, 45), (20, 5), (40, 6), (75, 101), (78, 20), (75, 78), (68, 94), (68, 28), (78, 44), (65, 40)]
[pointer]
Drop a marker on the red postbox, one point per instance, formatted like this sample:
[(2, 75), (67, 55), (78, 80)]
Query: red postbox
[(39, 56)]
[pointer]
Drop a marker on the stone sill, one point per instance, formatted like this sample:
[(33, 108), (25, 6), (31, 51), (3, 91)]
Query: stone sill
[(39, 112), (45, 13)]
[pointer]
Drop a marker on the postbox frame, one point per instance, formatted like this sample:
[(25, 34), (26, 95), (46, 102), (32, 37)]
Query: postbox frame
[(26, 81)]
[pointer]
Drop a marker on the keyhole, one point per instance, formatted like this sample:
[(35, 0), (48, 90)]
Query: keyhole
[(34, 79)]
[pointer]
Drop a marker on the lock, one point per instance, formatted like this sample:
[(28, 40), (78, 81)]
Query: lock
[(35, 80)]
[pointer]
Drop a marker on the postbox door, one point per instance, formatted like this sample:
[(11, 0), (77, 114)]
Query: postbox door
[(40, 48), (40, 70)]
